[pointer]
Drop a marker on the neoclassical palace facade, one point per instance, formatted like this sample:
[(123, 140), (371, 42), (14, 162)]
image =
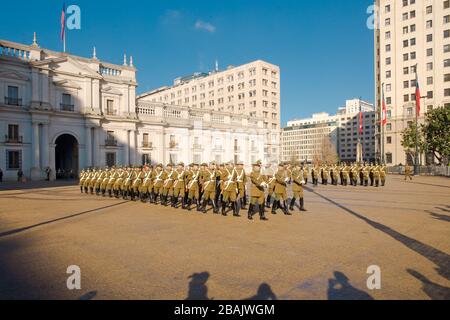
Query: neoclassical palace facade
[(66, 113)]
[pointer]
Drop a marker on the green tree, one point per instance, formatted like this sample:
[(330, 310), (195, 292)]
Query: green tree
[(437, 133), (409, 140)]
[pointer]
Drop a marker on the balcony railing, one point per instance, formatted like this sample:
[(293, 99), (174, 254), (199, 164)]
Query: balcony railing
[(17, 140), (197, 146), (111, 112), (67, 107), (111, 142), (147, 145), (173, 145), (13, 101)]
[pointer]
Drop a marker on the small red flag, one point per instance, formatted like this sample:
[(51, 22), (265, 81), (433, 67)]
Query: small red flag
[(383, 112), (63, 22), (417, 95), (360, 122)]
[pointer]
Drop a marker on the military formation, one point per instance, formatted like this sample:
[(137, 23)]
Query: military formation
[(227, 186), (352, 174)]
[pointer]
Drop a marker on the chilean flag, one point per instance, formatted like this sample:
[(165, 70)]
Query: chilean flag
[(417, 95), (383, 111), (63, 23)]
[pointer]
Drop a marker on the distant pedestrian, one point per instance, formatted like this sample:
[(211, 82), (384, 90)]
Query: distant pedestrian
[(408, 172), (19, 175), (1, 175), (48, 172)]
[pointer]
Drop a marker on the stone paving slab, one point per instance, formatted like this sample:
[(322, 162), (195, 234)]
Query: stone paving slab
[(130, 250)]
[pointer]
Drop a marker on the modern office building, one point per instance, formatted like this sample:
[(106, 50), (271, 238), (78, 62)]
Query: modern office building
[(310, 139), (412, 37), (251, 90), (65, 112)]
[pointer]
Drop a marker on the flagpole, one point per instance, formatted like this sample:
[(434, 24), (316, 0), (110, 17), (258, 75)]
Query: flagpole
[(416, 160), (382, 124)]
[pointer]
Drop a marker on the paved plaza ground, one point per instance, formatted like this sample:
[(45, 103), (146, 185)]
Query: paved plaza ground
[(131, 250)]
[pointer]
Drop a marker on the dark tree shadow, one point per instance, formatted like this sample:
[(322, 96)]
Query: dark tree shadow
[(197, 286), (88, 296), (433, 290), (339, 288), (264, 293)]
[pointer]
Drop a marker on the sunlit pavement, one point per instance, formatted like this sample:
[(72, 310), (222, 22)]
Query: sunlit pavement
[(131, 250)]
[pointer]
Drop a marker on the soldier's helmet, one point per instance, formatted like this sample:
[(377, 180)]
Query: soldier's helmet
[(204, 164), (181, 164), (159, 165), (169, 165)]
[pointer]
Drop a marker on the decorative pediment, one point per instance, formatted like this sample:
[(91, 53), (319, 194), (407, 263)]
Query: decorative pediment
[(67, 65), (111, 90), (66, 83), (13, 75)]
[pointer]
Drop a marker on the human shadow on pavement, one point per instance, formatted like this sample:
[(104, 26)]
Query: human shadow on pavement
[(438, 216), (439, 258), (197, 286), (88, 296), (264, 293), (339, 288), (433, 290)]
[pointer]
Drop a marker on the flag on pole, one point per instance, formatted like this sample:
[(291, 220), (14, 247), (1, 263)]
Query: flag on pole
[(417, 94), (63, 26), (383, 111)]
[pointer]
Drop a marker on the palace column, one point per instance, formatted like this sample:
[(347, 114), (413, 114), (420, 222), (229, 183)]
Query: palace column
[(88, 144), (45, 146), (35, 161)]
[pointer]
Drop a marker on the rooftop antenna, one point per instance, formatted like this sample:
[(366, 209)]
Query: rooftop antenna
[(217, 65), (35, 44)]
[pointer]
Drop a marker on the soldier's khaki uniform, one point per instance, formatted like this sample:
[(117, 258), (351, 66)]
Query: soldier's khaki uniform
[(179, 186), (297, 188), (158, 182), (408, 172), (366, 174), (282, 180), (168, 184), (208, 182), (229, 178), (241, 181), (257, 197), (376, 175), (383, 175), (193, 188), (146, 187)]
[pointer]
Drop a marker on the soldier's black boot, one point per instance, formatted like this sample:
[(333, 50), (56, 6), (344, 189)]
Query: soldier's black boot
[(183, 203), (215, 207), (268, 201), (81, 189), (103, 192), (286, 209), (110, 193), (204, 205), (174, 201), (302, 204), (132, 195), (189, 202), (224, 208), (291, 207), (274, 207), (250, 212), (262, 215)]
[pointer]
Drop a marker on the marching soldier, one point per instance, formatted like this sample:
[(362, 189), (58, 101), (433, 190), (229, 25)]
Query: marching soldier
[(325, 174), (208, 182), (259, 184), (366, 174), (158, 183), (408, 172), (315, 175), (83, 176), (345, 174), (146, 187), (305, 170), (269, 177), (241, 181), (179, 186), (376, 175), (335, 174), (118, 182), (218, 198), (282, 180), (168, 184), (193, 187), (297, 188), (355, 173), (383, 175), (139, 175), (229, 192), (104, 182)]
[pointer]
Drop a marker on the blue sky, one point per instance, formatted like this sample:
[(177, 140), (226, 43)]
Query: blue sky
[(324, 49)]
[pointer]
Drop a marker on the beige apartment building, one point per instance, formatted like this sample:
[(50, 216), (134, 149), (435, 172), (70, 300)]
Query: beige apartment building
[(413, 35), (251, 90)]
